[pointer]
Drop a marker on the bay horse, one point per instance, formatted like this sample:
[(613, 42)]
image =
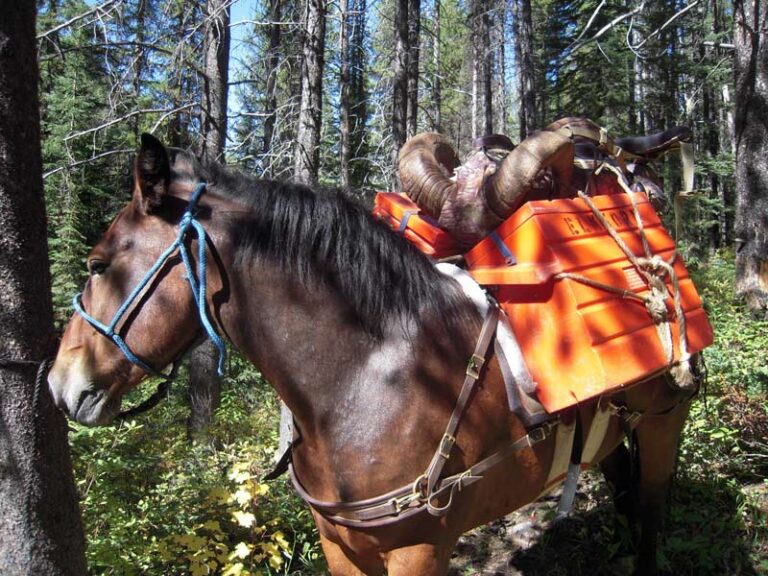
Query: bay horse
[(359, 334)]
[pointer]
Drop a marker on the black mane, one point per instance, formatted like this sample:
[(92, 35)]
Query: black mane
[(324, 236)]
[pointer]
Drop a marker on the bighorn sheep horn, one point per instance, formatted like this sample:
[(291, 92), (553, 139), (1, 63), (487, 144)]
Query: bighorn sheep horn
[(482, 196), (427, 162)]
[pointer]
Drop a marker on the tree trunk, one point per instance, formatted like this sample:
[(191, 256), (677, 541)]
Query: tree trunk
[(40, 528), (501, 73), (751, 142), (344, 96), (487, 66), (273, 62), (216, 66), (311, 110), (139, 60), (414, 38), (358, 94), (437, 94), (525, 71), (400, 81), (204, 382)]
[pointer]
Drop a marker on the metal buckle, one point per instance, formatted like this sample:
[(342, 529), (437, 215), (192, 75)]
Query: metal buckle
[(446, 445), (474, 366), (400, 504), (541, 433), (624, 413)]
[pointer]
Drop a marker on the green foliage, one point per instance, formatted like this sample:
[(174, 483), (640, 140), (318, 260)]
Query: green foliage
[(738, 357), (154, 504), (718, 522)]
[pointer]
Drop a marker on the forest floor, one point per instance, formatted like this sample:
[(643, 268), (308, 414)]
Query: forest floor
[(591, 541)]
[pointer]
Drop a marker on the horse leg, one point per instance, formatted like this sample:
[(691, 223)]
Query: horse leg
[(657, 444), (343, 562), (422, 559), (618, 471)]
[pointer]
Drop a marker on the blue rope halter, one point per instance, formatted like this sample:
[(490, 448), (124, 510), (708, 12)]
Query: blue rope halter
[(198, 290)]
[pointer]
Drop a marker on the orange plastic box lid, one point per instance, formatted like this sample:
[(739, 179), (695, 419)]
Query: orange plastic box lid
[(580, 341), (420, 230)]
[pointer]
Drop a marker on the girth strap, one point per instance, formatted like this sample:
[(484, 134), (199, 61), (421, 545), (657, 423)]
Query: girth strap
[(428, 489)]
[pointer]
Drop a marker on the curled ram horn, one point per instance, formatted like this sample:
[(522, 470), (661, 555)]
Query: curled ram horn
[(483, 193)]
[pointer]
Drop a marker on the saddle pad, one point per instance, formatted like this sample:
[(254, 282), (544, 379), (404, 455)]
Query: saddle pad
[(517, 380)]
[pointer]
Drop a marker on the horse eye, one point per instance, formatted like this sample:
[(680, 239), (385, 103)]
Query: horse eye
[(96, 266)]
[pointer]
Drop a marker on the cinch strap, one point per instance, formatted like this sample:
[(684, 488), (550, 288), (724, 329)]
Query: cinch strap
[(198, 289)]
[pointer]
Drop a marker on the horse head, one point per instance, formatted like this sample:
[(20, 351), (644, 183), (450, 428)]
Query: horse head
[(153, 315)]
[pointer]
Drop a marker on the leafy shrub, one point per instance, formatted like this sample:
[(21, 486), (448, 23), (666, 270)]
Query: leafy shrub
[(154, 504)]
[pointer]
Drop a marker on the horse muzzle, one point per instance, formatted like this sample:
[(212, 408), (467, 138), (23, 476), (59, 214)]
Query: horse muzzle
[(75, 394)]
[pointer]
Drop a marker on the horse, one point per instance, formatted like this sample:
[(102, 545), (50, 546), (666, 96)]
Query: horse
[(363, 339)]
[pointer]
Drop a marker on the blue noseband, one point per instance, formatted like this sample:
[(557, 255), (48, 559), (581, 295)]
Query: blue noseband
[(187, 221)]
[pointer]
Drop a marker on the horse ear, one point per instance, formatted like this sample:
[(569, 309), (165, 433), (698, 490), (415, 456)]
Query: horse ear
[(151, 173)]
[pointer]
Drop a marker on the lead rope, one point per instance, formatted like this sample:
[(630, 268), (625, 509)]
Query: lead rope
[(649, 266)]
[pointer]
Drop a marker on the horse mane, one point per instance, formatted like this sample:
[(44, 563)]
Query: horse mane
[(323, 236)]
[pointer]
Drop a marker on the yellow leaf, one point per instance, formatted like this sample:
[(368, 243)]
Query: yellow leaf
[(281, 540), (242, 551), (260, 489), (244, 518), (234, 570), (242, 496), (212, 525), (197, 569), (219, 495), (276, 562)]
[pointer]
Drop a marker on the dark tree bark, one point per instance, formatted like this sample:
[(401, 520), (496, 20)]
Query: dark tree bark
[(40, 529), (311, 110), (358, 94), (500, 38), (344, 96), (204, 382), (437, 94), (487, 69), (178, 82), (273, 62), (525, 70), (750, 23), (414, 38), (400, 81), (139, 59), (215, 92)]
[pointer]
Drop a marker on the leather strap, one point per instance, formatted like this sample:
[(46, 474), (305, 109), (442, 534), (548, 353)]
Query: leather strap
[(427, 490)]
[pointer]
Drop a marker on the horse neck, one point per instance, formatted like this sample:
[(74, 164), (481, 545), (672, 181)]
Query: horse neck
[(306, 342)]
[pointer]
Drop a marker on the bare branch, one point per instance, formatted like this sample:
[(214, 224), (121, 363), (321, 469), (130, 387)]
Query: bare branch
[(263, 23), (87, 161), (169, 113), (97, 10), (667, 23), (590, 21), (724, 45), (607, 27), (125, 117)]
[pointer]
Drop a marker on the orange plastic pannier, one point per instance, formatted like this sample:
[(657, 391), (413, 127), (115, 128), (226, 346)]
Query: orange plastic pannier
[(578, 340), (419, 229)]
